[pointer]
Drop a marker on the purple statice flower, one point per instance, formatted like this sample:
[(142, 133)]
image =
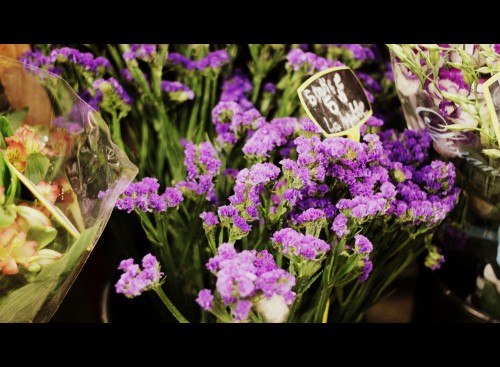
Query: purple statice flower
[(111, 87), (134, 281), (339, 225), (143, 195), (269, 136), (173, 197), (125, 73), (307, 126), (359, 52), (369, 82), (241, 310), (174, 87), (247, 120), (325, 204), (231, 173), (264, 262), (295, 244), (241, 224), (202, 166), (362, 244), (93, 101), (236, 88), (262, 173), (292, 196), (434, 258), (227, 211), (307, 62), (249, 183), (214, 60), (277, 281), (144, 52), (253, 212), (205, 299), (389, 74), (86, 60), (311, 215), (222, 115), (265, 139), (35, 59), (178, 59), (363, 207), (408, 147), (436, 177), (243, 278), (209, 219), (269, 88), (367, 269)]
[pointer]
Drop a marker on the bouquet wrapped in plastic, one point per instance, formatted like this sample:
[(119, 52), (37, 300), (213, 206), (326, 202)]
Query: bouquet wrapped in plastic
[(56, 156), (451, 90)]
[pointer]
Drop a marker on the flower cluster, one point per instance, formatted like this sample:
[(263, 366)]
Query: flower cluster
[(134, 280), (245, 280), (144, 52), (143, 195), (294, 244), (308, 62), (202, 166), (226, 136), (214, 60), (66, 55)]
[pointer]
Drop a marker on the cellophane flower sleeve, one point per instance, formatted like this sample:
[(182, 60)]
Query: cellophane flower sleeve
[(442, 90), (60, 175)]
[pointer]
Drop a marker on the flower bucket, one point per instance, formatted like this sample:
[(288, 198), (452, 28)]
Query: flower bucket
[(57, 156)]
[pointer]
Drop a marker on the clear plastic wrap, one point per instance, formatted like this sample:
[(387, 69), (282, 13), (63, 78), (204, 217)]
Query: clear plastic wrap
[(481, 173), (57, 157)]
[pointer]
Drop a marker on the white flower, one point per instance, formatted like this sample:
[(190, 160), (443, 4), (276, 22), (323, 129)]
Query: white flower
[(406, 82), (273, 310)]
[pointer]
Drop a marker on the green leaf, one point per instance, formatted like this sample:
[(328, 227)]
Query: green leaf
[(37, 301), (16, 118), (43, 235), (7, 215), (3, 171), (37, 166), (5, 127), (348, 266)]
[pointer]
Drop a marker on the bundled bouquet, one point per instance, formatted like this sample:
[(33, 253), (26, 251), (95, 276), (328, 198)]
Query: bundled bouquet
[(251, 214), (52, 167), (451, 90)]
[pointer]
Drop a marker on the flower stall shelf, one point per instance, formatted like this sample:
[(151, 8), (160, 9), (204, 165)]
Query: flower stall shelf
[(251, 212), (55, 158), (451, 91)]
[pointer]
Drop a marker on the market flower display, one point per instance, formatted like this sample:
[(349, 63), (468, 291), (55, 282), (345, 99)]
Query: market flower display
[(252, 214)]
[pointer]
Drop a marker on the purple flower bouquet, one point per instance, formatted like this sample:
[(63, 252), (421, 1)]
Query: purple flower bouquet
[(56, 156), (250, 213), (450, 90)]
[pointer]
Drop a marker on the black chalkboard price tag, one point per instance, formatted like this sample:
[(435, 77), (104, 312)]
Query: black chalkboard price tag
[(335, 100)]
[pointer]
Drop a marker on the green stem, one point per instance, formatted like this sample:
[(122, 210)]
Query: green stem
[(116, 131), (257, 81), (175, 312)]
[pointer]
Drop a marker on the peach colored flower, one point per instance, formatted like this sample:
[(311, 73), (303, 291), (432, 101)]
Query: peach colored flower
[(50, 191), (16, 155), (28, 137)]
